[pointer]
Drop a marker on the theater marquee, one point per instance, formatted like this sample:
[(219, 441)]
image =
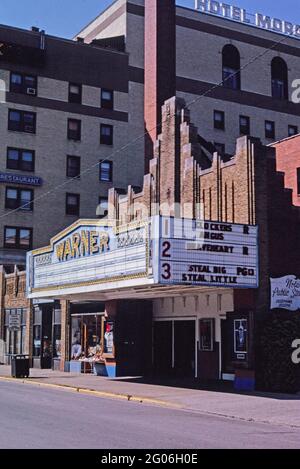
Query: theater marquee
[(208, 254), (98, 256), (88, 253)]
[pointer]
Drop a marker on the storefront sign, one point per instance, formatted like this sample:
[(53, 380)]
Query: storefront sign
[(285, 293), (211, 254), (20, 179), (83, 243), (241, 15), (14, 321), (90, 253)]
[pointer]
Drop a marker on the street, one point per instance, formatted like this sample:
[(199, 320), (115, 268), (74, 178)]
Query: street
[(37, 418)]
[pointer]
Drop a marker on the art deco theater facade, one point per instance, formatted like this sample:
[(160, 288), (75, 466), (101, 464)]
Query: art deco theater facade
[(182, 278)]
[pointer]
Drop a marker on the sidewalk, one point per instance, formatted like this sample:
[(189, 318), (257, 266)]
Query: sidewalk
[(259, 407)]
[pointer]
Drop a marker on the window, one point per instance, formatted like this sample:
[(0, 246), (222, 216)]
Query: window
[(6, 332), (73, 167), (270, 129), (293, 130), (279, 72), (19, 199), (107, 99), (72, 204), (219, 120), (102, 210), (25, 84), (220, 148), (23, 330), (298, 180), (75, 93), (106, 171), (16, 82), (20, 159), (231, 67), (15, 338), (244, 125), (57, 333), (74, 129), (18, 238), (106, 134), (37, 331), (99, 338), (206, 335), (22, 121)]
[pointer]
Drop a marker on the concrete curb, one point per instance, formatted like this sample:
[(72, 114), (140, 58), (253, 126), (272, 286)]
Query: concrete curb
[(145, 400), (93, 392)]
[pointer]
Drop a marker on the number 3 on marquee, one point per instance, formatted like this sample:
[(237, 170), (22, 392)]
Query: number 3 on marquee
[(166, 274)]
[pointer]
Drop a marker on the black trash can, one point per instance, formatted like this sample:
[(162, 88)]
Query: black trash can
[(20, 366)]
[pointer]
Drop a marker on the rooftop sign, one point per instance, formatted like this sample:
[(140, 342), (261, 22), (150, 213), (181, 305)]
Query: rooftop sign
[(241, 15)]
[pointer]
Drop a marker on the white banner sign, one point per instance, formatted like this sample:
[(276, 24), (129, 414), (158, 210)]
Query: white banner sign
[(14, 321), (285, 293)]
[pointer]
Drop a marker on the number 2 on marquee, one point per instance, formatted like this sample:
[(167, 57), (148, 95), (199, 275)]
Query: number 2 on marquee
[(166, 246)]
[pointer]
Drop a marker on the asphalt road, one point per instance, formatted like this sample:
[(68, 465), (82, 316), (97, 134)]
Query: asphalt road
[(40, 418)]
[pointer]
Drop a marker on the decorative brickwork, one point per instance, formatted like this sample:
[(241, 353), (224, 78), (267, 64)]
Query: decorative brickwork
[(288, 162), (13, 296)]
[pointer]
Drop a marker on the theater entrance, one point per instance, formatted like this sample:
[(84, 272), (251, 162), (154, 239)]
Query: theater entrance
[(175, 348)]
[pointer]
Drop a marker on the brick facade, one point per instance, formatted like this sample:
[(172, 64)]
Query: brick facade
[(247, 189), (288, 162), (160, 65), (13, 296)]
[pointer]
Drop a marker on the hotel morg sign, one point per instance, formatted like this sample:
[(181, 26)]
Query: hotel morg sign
[(241, 15), (95, 256)]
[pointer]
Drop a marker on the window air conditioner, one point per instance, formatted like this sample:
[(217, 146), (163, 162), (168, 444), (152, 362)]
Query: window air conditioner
[(29, 129)]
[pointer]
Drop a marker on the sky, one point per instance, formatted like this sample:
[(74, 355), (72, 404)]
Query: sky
[(65, 18)]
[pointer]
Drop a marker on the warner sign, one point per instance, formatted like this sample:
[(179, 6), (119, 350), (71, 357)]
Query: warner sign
[(243, 16)]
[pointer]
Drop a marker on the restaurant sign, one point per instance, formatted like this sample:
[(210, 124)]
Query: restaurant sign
[(20, 179)]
